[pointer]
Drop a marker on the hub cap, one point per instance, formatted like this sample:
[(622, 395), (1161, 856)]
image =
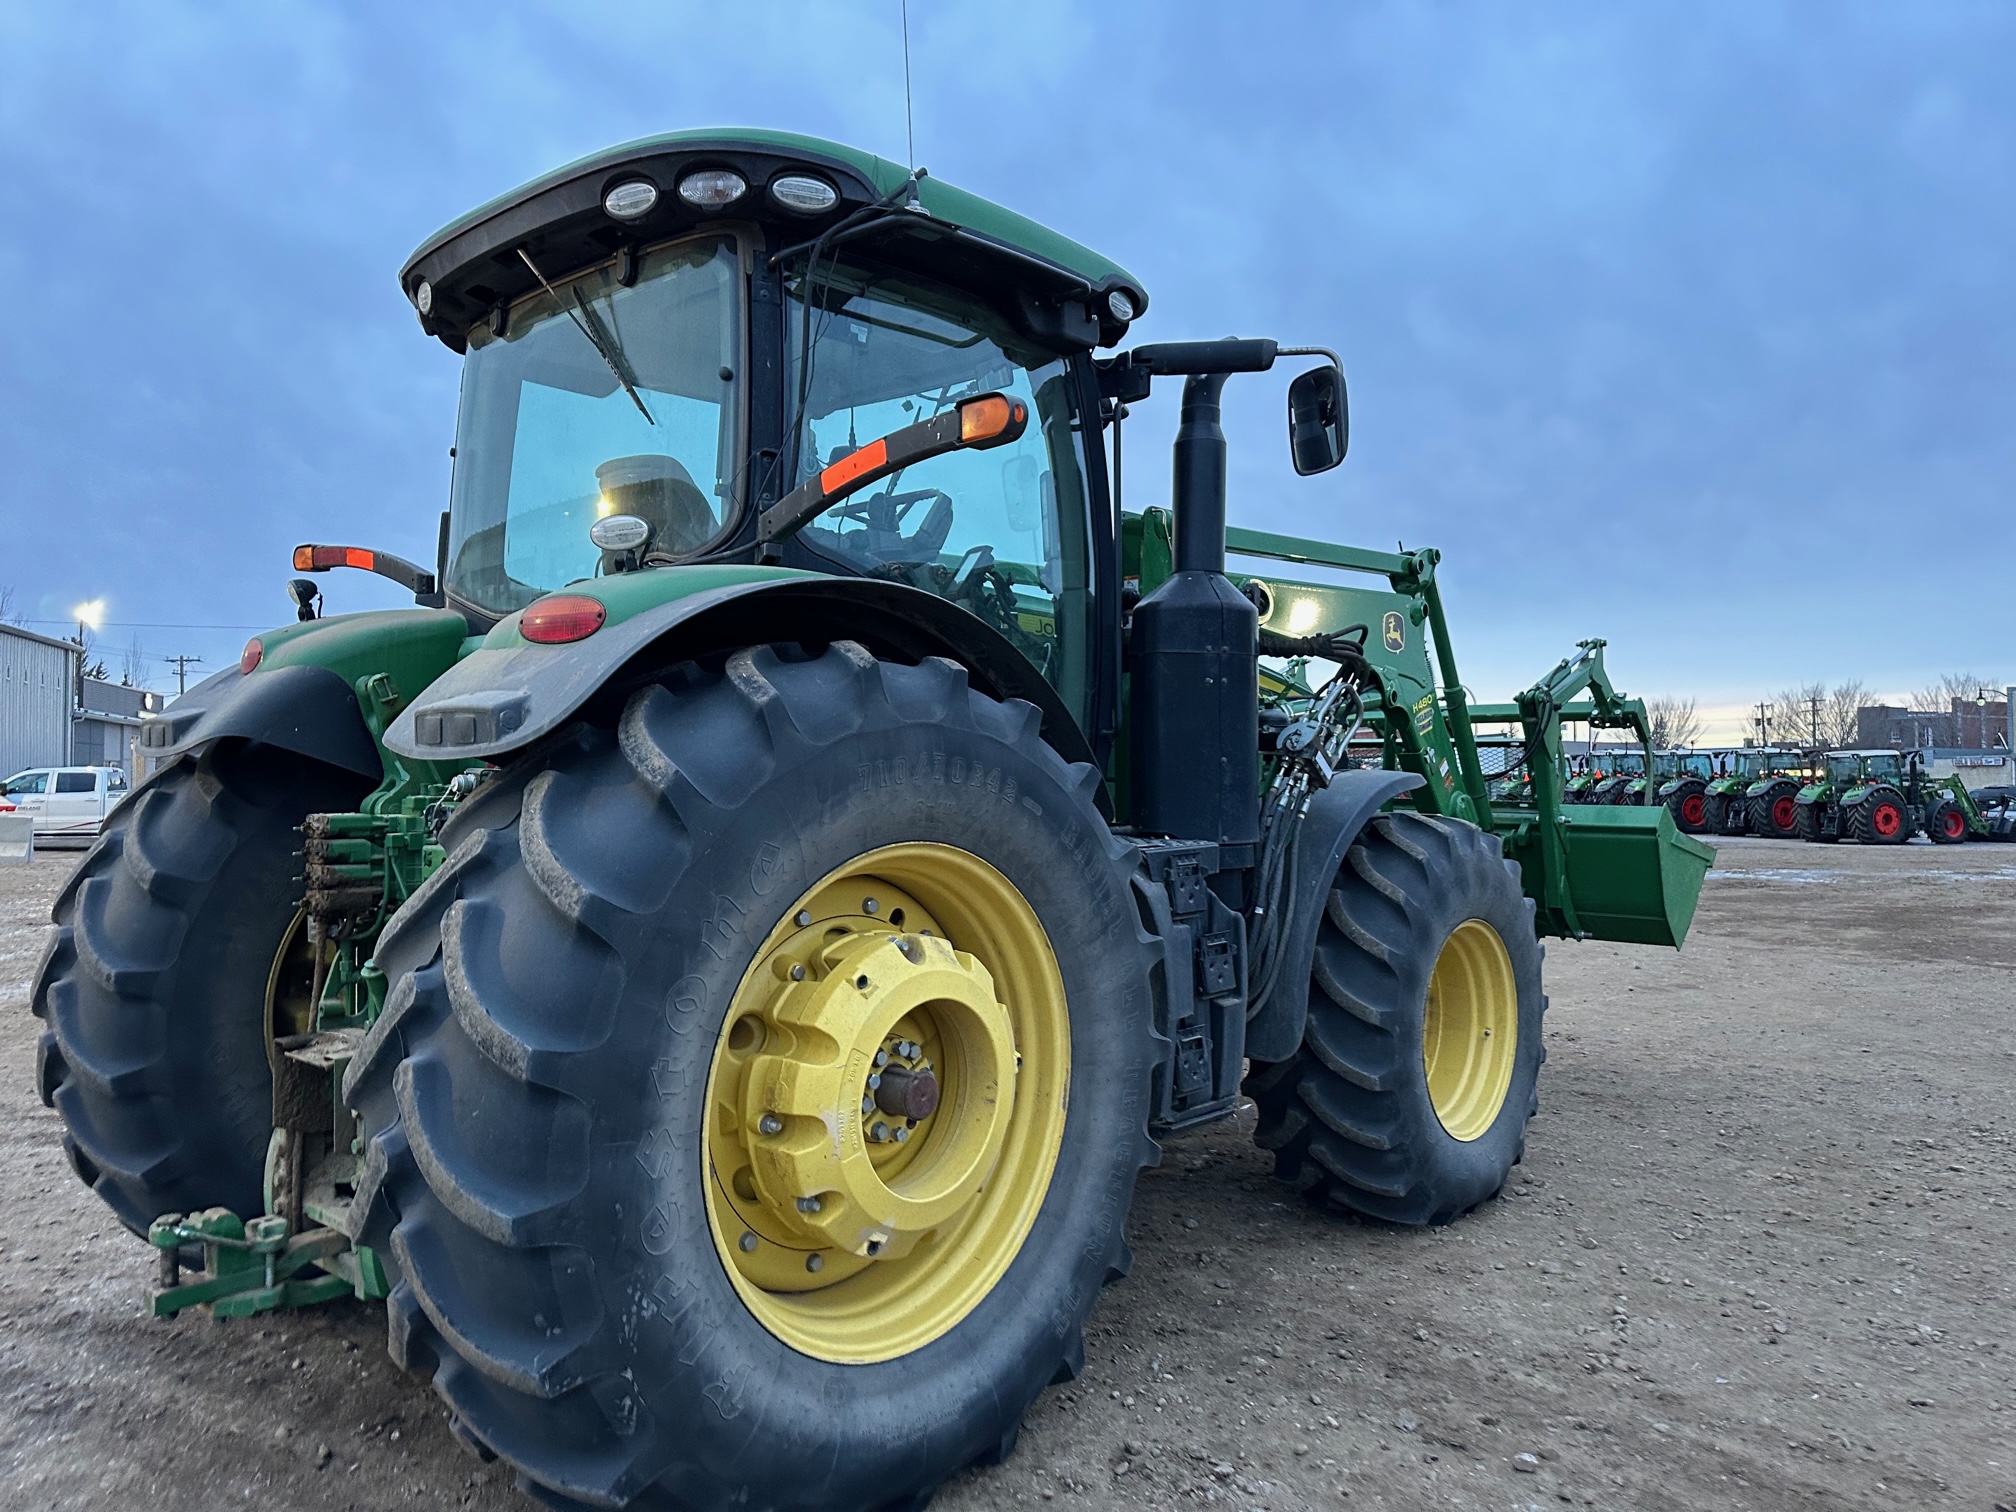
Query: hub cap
[(1694, 808), (886, 1103), (1470, 1030), (1784, 811), (1886, 821)]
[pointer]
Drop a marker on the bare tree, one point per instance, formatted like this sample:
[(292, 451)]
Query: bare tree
[(1840, 715), (9, 615), (133, 664), (1674, 722), (1798, 715), (1938, 697)]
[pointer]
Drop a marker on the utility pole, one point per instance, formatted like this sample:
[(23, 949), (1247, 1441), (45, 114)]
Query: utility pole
[(182, 665), (1763, 724), (1813, 709)]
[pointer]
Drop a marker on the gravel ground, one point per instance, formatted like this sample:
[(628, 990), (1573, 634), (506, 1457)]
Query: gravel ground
[(1759, 1256)]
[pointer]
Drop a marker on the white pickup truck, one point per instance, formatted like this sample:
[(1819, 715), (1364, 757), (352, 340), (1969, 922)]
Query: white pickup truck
[(65, 800)]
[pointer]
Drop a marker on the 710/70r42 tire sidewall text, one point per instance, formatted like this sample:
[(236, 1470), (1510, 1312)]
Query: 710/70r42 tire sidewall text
[(535, 1091)]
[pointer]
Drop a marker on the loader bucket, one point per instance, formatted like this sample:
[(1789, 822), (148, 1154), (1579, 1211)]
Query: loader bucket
[(1628, 873), (1632, 876)]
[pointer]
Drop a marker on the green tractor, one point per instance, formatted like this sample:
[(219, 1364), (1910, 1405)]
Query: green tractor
[(714, 968), (1871, 797), (1681, 779), (1727, 798)]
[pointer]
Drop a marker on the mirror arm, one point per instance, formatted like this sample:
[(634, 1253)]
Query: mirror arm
[(889, 454)]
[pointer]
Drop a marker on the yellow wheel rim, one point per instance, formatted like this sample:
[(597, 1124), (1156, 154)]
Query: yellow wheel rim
[(886, 1103), (1470, 1030)]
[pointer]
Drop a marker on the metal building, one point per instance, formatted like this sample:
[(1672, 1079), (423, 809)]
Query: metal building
[(38, 692)]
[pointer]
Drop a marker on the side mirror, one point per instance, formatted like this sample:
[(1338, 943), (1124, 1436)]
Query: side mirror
[(1319, 420)]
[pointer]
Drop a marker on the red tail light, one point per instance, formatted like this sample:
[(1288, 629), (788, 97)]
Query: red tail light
[(249, 657), (562, 618)]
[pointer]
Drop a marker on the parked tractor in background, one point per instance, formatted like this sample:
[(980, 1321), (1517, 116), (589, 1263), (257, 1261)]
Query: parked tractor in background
[(1727, 797), (810, 841), (1681, 779), (1772, 801), (1860, 796), (1620, 769)]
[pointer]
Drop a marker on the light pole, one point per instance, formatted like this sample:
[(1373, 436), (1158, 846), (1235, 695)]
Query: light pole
[(90, 615)]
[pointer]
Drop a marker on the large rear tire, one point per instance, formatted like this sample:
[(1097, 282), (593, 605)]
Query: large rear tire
[(1774, 813), (1420, 1062), (154, 986), (633, 1224), (1689, 803), (1881, 818)]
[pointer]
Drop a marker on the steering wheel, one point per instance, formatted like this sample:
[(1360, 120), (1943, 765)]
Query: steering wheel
[(883, 516)]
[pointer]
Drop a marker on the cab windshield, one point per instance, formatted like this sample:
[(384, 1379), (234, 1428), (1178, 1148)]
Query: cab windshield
[(549, 438)]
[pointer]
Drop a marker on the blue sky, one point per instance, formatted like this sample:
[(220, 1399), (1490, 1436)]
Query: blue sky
[(1684, 325)]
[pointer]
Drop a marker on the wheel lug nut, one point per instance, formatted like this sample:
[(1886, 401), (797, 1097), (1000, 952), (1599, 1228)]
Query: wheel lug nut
[(797, 973), (879, 1132), (804, 919), (881, 1057), (747, 1243), (902, 1135), (770, 1123), (867, 1105), (808, 1204), (870, 906), (815, 1262)]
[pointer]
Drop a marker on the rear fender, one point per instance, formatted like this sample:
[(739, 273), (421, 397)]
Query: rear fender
[(303, 694), (1336, 814), (305, 709), (510, 693)]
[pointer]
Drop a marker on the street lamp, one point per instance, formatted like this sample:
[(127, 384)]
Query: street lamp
[(90, 613)]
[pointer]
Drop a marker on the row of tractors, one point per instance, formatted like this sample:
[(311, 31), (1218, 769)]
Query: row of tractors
[(1786, 793)]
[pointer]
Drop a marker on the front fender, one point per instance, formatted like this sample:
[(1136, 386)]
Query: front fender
[(510, 693), (1336, 814)]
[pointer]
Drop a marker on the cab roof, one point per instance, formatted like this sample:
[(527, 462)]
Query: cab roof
[(471, 266)]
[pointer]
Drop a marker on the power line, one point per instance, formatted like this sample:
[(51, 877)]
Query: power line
[(146, 625), (182, 666)]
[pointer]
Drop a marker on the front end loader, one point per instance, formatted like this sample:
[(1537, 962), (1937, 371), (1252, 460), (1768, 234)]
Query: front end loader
[(713, 969)]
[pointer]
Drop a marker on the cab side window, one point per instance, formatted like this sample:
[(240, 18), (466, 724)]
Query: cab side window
[(1003, 532), (76, 782), (29, 782)]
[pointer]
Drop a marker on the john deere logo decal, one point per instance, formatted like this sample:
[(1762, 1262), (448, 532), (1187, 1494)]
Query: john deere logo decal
[(1393, 631)]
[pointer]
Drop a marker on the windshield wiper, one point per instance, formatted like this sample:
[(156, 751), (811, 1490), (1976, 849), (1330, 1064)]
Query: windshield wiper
[(605, 346)]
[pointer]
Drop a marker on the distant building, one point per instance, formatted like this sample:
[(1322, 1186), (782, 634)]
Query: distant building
[(1963, 726), (50, 717), (38, 691), (107, 730)]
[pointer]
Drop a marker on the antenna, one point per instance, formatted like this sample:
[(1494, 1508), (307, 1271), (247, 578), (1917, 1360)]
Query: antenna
[(909, 121)]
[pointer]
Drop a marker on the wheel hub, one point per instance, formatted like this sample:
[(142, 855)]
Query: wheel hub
[(1470, 1030), (886, 1103), (840, 1111)]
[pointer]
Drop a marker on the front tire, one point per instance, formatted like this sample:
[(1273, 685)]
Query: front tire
[(562, 1105), (1405, 1101), (1947, 823), (154, 984)]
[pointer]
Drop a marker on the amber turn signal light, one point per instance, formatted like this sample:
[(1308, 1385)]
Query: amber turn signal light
[(562, 618), (989, 418)]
